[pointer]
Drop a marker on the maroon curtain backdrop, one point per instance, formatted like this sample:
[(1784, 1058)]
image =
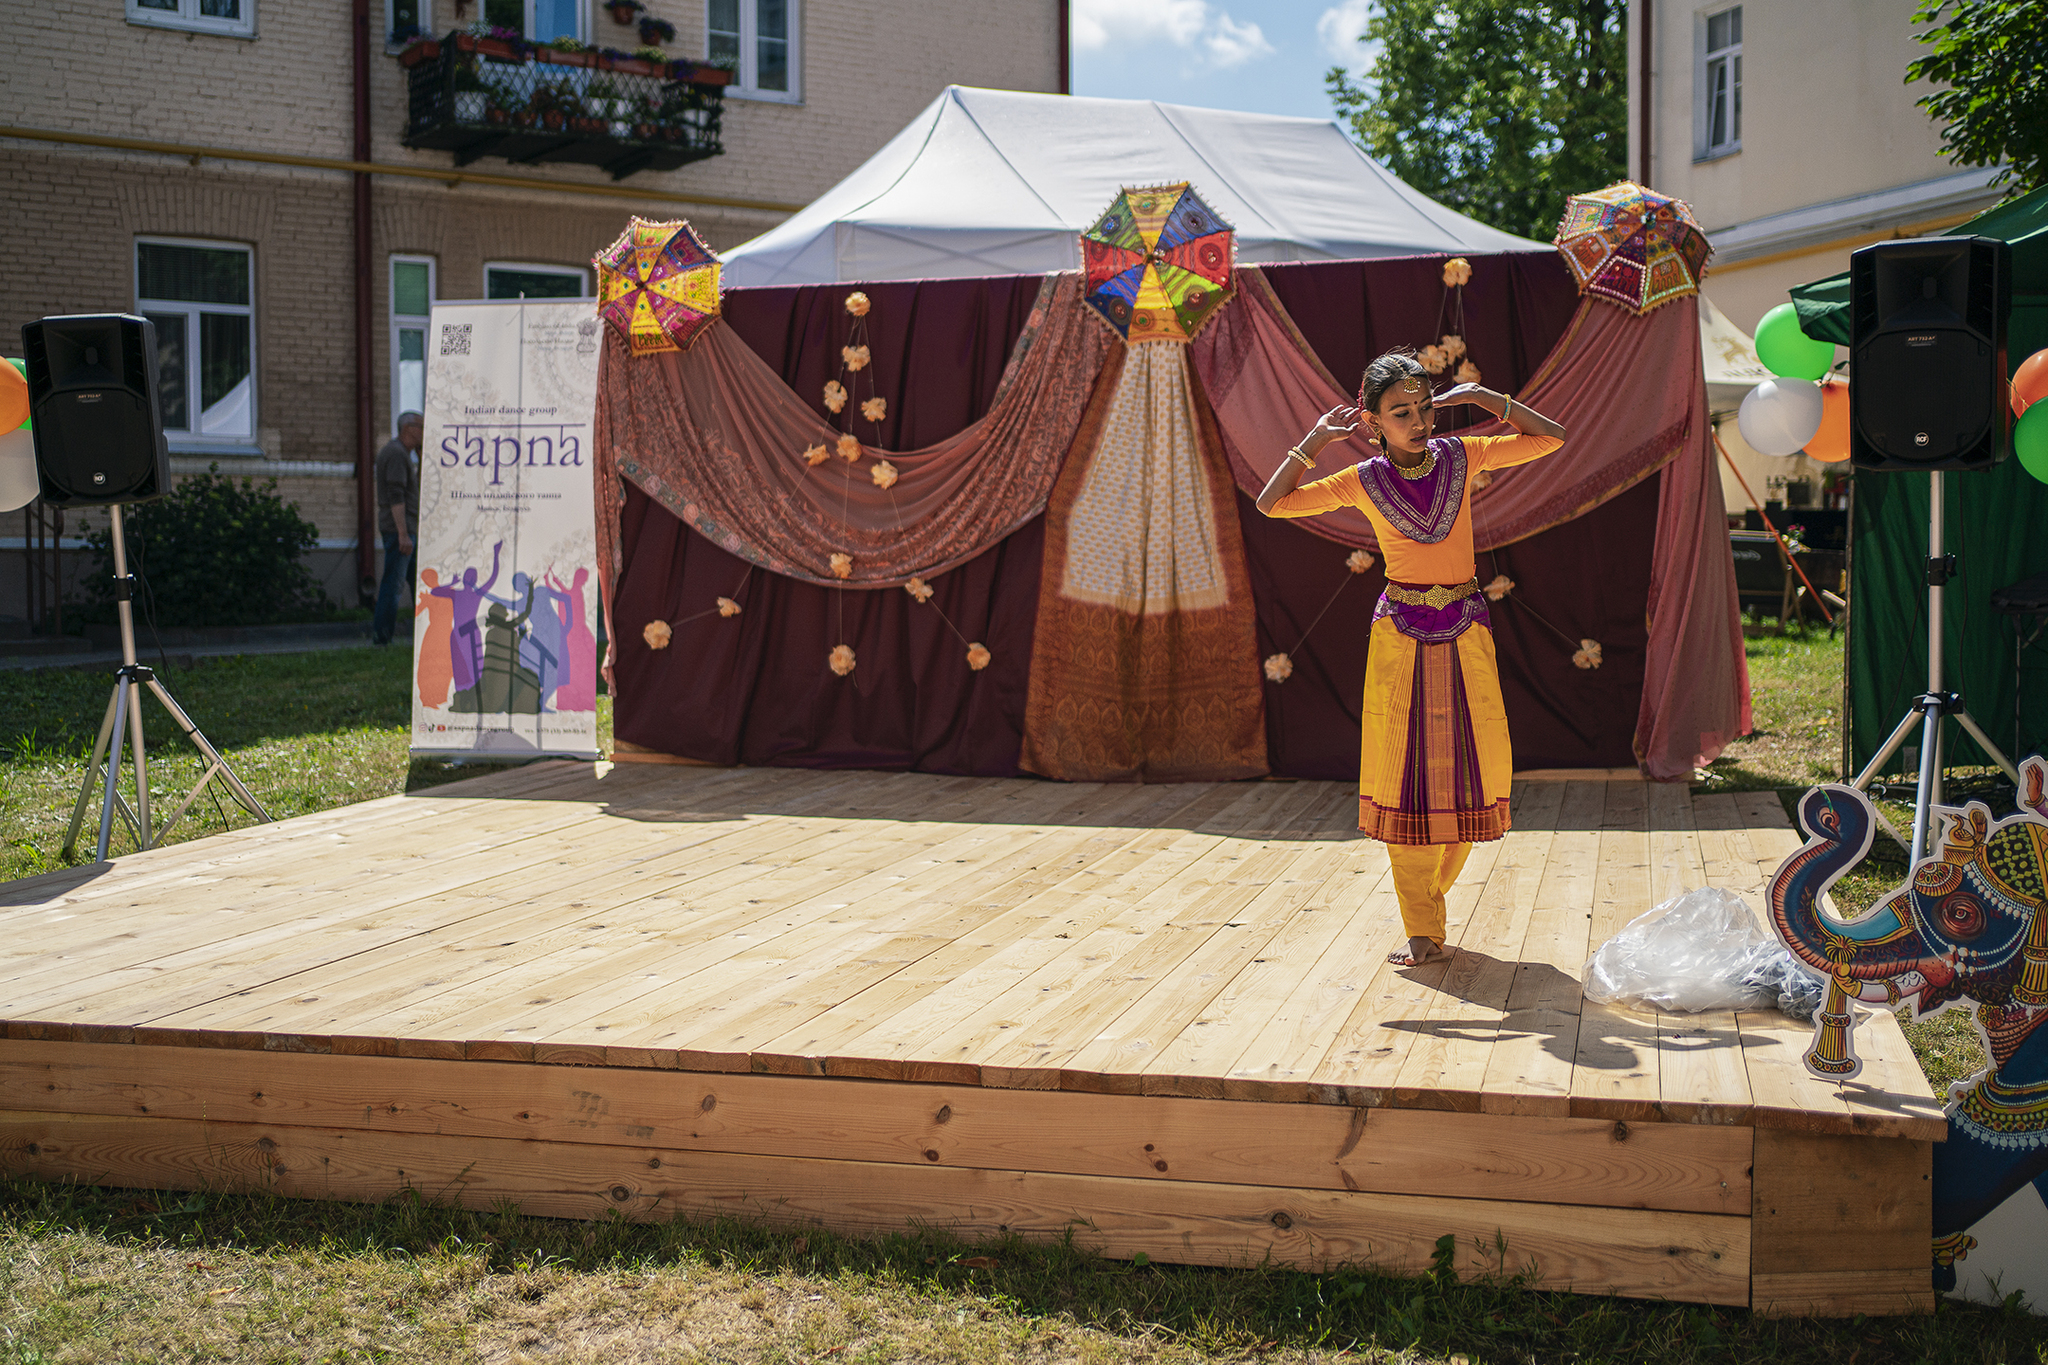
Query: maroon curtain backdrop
[(755, 689)]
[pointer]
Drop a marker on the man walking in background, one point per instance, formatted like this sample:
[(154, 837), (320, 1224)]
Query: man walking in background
[(398, 521)]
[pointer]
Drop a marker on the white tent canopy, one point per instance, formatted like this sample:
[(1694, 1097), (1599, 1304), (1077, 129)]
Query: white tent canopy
[(1000, 182)]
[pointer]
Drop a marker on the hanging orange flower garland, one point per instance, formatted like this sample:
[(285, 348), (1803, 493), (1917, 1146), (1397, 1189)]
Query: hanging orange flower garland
[(1449, 348), (1280, 667), (856, 358)]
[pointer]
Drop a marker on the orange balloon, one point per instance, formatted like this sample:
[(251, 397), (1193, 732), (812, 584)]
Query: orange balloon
[(2030, 382), (1830, 445), (13, 398)]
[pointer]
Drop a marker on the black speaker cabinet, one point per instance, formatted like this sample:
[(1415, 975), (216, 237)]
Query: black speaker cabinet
[(92, 390), (1927, 321)]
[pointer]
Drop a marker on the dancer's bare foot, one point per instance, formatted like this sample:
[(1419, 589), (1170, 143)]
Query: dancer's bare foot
[(1419, 951)]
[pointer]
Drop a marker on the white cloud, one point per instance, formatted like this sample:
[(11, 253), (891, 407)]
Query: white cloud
[(1230, 43), (1339, 30), (1195, 26), (1179, 22)]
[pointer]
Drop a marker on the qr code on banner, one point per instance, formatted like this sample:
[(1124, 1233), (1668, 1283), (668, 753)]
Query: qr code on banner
[(455, 338)]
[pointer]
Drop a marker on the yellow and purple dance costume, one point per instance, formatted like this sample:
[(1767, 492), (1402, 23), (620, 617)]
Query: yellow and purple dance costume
[(1434, 760)]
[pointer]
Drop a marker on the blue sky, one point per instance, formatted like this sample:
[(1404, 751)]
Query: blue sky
[(1263, 56)]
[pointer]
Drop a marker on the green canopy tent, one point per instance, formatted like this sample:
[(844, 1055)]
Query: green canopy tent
[(1997, 526)]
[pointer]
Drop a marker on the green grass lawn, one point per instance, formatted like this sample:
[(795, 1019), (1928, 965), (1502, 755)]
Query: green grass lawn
[(304, 732), (105, 1275)]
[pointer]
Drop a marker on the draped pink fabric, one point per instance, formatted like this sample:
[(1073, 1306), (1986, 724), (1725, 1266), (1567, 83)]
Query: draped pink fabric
[(1631, 392), (715, 436)]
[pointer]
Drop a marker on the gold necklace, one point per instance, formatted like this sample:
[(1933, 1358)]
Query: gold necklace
[(1419, 471)]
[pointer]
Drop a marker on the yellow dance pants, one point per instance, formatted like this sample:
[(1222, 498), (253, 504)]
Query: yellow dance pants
[(1423, 876)]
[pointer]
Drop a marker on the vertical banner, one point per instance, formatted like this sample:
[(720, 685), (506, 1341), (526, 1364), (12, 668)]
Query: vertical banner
[(504, 635)]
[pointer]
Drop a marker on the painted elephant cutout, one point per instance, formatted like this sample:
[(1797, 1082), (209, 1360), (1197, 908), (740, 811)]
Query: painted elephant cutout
[(1968, 928)]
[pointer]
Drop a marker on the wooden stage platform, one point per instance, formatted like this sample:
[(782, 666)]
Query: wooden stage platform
[(1157, 1015)]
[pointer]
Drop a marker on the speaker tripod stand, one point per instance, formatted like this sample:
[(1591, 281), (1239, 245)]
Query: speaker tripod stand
[(1934, 705), (124, 721)]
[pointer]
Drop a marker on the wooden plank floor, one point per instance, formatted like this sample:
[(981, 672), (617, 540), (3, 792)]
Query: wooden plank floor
[(1164, 1012), (1215, 940)]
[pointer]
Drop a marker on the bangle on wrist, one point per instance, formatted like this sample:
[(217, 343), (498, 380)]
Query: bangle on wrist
[(1296, 454), (1507, 405)]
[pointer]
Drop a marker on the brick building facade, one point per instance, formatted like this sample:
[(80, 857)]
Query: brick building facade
[(146, 145)]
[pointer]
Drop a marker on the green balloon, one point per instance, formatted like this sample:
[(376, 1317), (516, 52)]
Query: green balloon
[(26, 423), (1788, 352), (2030, 440)]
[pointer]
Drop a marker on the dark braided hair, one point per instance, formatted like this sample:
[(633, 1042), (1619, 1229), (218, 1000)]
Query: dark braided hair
[(1387, 371)]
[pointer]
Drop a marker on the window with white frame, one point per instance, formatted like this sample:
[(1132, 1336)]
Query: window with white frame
[(201, 296), (1720, 83), (405, 20), (412, 298), (539, 20), (513, 280), (758, 40), (236, 18)]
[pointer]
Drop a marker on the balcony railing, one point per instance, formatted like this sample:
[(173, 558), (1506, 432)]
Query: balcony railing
[(479, 97)]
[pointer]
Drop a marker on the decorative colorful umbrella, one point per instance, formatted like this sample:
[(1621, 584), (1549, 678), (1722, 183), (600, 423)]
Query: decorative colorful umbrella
[(1157, 264), (658, 284), (1633, 246)]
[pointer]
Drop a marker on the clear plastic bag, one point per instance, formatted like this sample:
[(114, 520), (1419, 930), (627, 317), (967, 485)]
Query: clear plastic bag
[(1702, 950)]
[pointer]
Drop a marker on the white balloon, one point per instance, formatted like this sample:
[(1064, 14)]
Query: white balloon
[(18, 486), (1780, 416)]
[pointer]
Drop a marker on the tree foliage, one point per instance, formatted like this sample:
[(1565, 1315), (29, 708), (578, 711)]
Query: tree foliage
[(215, 553), (1498, 109), (1993, 55)]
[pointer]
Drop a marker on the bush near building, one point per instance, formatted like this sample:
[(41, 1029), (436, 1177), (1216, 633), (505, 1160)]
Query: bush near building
[(214, 553)]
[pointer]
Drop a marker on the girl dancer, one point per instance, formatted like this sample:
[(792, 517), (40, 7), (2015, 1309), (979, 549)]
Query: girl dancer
[(1434, 763)]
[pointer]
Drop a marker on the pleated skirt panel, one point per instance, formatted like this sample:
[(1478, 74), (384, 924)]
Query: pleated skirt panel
[(1434, 762)]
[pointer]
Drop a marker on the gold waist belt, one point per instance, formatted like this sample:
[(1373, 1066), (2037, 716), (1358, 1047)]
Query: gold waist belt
[(1436, 597)]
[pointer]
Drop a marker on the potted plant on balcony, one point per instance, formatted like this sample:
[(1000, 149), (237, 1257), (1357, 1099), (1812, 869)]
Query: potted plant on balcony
[(566, 51), (419, 49), (490, 41), (624, 11), (654, 32), (470, 98)]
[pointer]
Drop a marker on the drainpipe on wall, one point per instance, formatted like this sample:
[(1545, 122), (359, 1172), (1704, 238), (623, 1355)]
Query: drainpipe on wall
[(366, 517), (1066, 61), (1646, 9)]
